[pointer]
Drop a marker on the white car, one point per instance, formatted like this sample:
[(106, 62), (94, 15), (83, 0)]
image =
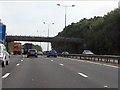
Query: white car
[(40, 53), (65, 53), (4, 56), (87, 52)]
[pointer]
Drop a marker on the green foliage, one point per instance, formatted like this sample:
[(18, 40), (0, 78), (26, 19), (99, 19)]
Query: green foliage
[(10, 47), (37, 47), (101, 34)]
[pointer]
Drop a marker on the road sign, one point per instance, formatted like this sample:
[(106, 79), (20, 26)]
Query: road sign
[(2, 32)]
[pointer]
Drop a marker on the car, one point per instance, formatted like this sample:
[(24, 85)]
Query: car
[(65, 53), (40, 53), (32, 52), (52, 53), (45, 52), (4, 56), (88, 52)]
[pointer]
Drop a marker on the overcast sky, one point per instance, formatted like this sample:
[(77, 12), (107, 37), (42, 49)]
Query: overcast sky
[(27, 17)]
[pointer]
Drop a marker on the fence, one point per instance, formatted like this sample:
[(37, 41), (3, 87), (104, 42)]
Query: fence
[(99, 58)]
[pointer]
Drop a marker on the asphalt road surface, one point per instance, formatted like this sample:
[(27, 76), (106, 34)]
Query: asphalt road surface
[(43, 72)]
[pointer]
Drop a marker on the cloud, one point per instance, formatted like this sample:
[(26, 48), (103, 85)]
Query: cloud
[(25, 18)]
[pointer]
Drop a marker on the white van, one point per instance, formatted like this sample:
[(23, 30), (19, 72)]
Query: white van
[(4, 56), (87, 52)]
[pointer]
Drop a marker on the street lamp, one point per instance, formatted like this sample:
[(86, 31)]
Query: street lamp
[(38, 35), (119, 4), (65, 6), (48, 33)]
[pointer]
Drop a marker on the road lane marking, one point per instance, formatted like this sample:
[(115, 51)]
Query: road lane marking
[(61, 64), (24, 56), (51, 60), (103, 64), (73, 59), (83, 75), (17, 64), (92, 62), (6, 75), (105, 86), (111, 66), (32, 79), (76, 60), (21, 60)]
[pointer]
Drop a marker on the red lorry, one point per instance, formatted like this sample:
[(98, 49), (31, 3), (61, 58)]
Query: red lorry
[(17, 48)]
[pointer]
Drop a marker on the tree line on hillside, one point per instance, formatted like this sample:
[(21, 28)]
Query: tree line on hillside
[(101, 34)]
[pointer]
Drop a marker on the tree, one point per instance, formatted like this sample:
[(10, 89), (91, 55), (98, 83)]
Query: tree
[(101, 34)]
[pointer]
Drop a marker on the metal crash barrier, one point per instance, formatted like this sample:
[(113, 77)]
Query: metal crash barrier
[(99, 58)]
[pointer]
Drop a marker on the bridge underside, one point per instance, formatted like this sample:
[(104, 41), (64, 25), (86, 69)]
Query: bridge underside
[(74, 45), (43, 39)]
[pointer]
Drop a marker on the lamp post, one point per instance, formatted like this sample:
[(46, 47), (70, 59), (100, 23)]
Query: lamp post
[(65, 6), (48, 33), (38, 35), (119, 4)]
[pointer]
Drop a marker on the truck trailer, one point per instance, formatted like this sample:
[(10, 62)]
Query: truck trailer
[(17, 48), (26, 47)]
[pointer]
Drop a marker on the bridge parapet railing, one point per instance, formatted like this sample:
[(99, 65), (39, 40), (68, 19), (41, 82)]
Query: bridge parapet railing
[(99, 58)]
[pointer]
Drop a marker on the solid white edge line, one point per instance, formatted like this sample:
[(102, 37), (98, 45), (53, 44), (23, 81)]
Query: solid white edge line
[(93, 63), (111, 66), (6, 75), (83, 75)]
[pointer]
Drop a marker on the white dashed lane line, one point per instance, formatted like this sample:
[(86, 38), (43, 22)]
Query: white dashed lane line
[(18, 64), (105, 86), (6, 75), (83, 75), (61, 64), (51, 60)]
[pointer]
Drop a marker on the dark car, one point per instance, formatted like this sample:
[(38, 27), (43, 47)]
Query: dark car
[(32, 52), (52, 53)]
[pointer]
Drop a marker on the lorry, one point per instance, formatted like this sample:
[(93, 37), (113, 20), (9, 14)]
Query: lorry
[(26, 47), (17, 48)]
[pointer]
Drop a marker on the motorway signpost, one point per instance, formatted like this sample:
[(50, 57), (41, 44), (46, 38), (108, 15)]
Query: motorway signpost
[(2, 33)]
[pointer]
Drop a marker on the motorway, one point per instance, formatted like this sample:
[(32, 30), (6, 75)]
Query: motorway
[(43, 72)]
